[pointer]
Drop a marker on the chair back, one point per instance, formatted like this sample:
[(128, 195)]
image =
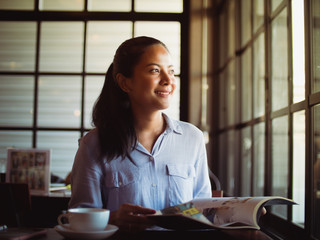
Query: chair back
[(15, 204)]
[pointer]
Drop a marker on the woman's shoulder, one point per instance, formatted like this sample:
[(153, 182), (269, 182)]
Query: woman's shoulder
[(91, 138), (185, 127)]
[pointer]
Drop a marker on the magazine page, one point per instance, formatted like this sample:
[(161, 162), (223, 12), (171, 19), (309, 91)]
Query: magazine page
[(216, 213), (236, 212)]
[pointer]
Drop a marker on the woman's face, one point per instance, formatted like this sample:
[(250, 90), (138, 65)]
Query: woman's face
[(152, 84)]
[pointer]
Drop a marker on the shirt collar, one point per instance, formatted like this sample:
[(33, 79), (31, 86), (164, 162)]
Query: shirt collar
[(172, 125)]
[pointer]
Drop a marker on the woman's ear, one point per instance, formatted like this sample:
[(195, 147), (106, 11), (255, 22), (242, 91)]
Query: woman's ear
[(123, 82)]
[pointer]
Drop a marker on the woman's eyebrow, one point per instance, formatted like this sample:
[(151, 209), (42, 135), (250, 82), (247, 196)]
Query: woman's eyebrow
[(150, 64)]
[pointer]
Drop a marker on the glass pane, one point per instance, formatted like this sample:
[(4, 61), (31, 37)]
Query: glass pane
[(231, 93), (275, 4), (61, 5), (316, 46), (16, 100), (158, 6), (259, 77), (231, 29), (59, 101), (93, 87), (109, 5), (18, 46), (246, 165), (63, 147), (61, 46), (316, 171), (103, 39), (298, 57), (298, 180), (246, 86), (17, 4), (174, 110), (222, 168), (245, 21), (259, 159), (167, 32), (222, 100), (279, 62), (223, 27), (258, 14), (12, 139), (231, 156), (280, 162)]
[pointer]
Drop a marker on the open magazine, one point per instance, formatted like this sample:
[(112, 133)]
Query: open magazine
[(216, 213)]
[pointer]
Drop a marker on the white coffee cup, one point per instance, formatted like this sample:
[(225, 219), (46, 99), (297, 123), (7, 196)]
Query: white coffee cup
[(85, 219)]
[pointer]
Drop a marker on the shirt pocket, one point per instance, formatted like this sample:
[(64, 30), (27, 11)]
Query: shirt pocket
[(181, 177)]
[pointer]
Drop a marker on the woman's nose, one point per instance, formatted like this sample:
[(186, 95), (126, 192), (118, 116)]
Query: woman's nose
[(166, 79)]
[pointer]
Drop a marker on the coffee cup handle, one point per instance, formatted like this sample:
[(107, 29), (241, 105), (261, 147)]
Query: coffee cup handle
[(61, 217)]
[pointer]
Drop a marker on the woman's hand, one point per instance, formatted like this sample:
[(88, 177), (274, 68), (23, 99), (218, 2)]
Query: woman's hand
[(131, 218)]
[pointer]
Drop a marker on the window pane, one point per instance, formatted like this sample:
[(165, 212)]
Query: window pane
[(223, 155), (275, 4), (316, 46), (280, 162), (258, 14), (17, 4), (61, 5), (63, 147), (109, 5), (279, 62), (231, 156), (316, 170), (259, 77), (259, 159), (298, 57), (231, 93), (103, 39), (222, 100), (223, 27), (12, 139), (246, 86), (245, 21), (231, 29), (61, 46), (59, 101), (298, 181), (16, 100), (18, 45), (158, 6), (167, 32), (93, 87), (246, 165)]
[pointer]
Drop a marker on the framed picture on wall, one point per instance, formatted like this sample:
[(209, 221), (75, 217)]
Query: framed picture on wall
[(30, 166)]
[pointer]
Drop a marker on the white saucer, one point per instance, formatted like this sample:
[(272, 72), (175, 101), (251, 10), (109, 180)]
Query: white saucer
[(68, 233)]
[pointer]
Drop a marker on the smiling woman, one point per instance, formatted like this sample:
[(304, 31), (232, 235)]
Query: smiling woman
[(137, 159)]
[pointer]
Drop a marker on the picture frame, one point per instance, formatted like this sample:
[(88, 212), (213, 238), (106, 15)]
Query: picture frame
[(30, 166)]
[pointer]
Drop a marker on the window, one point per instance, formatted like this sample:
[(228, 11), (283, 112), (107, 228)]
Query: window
[(267, 129), (53, 58)]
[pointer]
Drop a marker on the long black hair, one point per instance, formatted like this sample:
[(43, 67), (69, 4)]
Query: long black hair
[(112, 115)]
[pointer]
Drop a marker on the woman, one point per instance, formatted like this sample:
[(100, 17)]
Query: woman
[(137, 159)]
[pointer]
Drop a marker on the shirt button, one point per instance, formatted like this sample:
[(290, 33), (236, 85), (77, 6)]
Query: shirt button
[(151, 158), (120, 183)]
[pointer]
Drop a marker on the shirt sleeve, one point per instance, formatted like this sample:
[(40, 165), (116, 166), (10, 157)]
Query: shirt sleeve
[(86, 178)]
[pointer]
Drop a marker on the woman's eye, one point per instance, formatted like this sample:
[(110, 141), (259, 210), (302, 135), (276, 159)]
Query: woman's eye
[(171, 71), (154, 70)]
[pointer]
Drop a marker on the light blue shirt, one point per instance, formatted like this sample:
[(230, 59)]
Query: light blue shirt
[(175, 172)]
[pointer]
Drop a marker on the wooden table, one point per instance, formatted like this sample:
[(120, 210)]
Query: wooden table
[(168, 235)]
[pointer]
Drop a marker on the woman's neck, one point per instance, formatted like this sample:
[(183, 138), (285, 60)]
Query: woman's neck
[(148, 128)]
